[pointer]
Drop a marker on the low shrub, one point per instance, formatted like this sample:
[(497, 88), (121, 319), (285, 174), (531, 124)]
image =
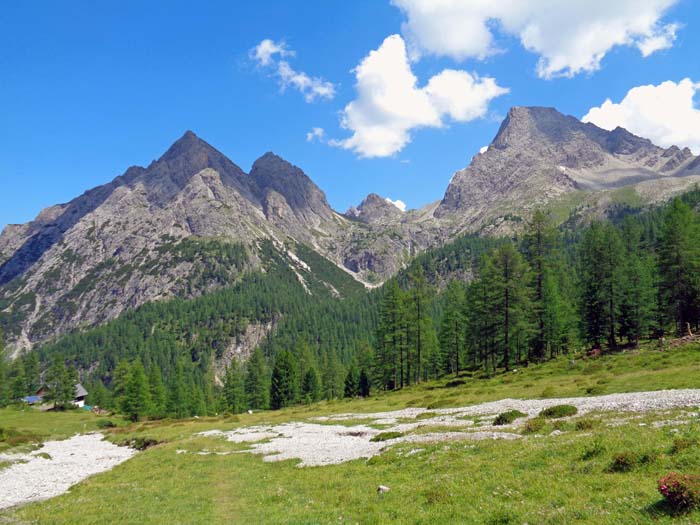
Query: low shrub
[(558, 411), (595, 449), (681, 491), (506, 418), (534, 425), (140, 442), (386, 436), (623, 462), (595, 390), (585, 424), (682, 443), (105, 423), (626, 461)]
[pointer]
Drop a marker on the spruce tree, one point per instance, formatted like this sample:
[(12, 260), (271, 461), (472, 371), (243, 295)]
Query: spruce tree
[(257, 384), (601, 283), (283, 385), (453, 328), (679, 264), (352, 382), (419, 321), (311, 386), (18, 383), (136, 402), (158, 394), (365, 383), (234, 388), (505, 276), (60, 384)]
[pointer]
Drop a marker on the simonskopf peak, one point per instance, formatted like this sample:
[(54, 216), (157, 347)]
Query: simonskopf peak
[(271, 173)]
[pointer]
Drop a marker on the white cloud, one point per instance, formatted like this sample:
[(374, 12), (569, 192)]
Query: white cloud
[(663, 39), (316, 134), (264, 53), (268, 53), (398, 203), (389, 103), (570, 36), (666, 114), (483, 149)]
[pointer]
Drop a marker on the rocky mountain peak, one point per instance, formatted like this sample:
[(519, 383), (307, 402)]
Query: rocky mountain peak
[(272, 173), (190, 155), (375, 208)]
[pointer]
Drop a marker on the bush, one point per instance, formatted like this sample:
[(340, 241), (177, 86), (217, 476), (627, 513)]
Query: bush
[(626, 461), (623, 462), (507, 418), (585, 424), (140, 442), (558, 411), (682, 492), (681, 443), (534, 425), (105, 423), (386, 436), (595, 449)]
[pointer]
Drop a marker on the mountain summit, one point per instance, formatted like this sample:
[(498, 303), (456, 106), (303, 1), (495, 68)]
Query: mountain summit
[(178, 227), (540, 155)]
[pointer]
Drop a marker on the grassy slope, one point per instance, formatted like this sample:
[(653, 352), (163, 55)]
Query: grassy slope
[(535, 480)]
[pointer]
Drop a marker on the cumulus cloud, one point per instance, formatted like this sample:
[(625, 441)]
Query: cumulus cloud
[(570, 36), (269, 54), (398, 203), (316, 134), (667, 114), (390, 104)]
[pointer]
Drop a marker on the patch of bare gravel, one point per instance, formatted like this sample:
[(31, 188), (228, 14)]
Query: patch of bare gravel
[(55, 467), (326, 444)]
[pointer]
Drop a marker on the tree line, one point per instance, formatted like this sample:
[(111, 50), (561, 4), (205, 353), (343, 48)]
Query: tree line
[(478, 303)]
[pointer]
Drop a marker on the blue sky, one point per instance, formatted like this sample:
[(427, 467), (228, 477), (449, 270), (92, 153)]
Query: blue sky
[(88, 89)]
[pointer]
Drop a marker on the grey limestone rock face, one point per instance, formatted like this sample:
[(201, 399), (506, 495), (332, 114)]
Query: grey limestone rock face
[(120, 245)]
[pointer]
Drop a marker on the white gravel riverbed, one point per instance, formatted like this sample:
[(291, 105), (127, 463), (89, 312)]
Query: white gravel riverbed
[(55, 467), (320, 442)]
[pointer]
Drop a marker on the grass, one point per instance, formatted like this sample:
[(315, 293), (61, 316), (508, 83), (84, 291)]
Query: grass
[(540, 478), (27, 426)]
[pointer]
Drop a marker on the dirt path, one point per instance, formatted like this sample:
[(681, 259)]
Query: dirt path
[(55, 467)]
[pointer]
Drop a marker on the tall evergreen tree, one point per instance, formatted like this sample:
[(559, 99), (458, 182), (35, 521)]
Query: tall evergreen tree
[(60, 384), (419, 321), (352, 382), (311, 386), (453, 328), (257, 384), (158, 394), (234, 388), (638, 297), (600, 269), (284, 383), (391, 338), (505, 277), (136, 403), (18, 384), (31, 372), (679, 264), (179, 397), (365, 383)]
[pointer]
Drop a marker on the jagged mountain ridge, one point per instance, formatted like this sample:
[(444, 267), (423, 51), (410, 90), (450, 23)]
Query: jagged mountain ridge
[(147, 235), (540, 155), (150, 233)]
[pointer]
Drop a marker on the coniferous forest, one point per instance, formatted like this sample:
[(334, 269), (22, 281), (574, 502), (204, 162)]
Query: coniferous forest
[(478, 304)]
